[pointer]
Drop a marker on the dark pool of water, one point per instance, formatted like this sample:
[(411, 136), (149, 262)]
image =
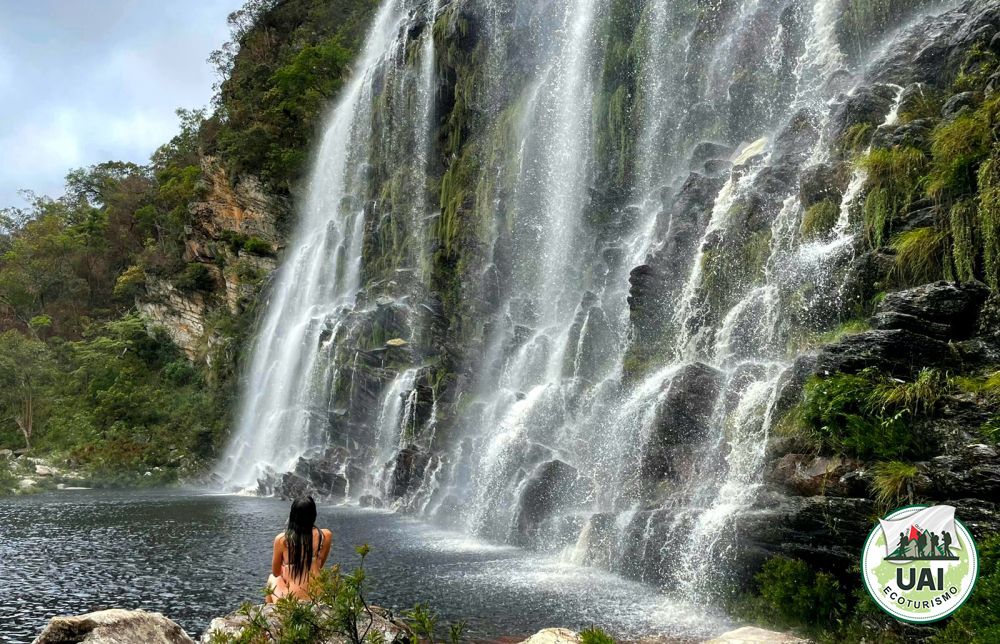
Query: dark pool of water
[(196, 556)]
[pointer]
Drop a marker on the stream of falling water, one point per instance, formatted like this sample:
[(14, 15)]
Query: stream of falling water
[(570, 432)]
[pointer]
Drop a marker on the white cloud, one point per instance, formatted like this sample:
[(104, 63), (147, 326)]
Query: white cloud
[(85, 82)]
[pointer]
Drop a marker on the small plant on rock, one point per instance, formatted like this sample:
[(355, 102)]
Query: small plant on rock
[(920, 256), (424, 623), (893, 481), (595, 635)]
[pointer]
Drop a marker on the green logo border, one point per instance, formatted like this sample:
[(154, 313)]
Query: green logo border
[(864, 577)]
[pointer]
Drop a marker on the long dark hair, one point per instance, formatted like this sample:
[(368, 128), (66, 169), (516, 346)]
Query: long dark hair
[(298, 535)]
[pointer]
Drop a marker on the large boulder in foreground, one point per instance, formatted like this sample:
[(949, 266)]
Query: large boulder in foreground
[(383, 623), (115, 626)]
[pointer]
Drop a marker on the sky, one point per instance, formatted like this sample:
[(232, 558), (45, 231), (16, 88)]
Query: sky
[(86, 81)]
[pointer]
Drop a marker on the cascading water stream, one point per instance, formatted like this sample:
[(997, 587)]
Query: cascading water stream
[(570, 427), (320, 273)]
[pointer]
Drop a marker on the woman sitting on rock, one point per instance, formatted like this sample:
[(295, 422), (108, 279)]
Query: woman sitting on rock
[(299, 553)]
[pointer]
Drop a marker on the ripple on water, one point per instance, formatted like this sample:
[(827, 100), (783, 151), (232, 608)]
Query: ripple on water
[(196, 556)]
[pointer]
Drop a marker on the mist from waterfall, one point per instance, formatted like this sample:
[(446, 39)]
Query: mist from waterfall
[(616, 405)]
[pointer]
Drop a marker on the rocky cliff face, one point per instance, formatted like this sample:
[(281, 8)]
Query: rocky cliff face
[(232, 244)]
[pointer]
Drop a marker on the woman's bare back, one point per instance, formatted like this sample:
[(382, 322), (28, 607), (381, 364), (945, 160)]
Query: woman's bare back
[(282, 580)]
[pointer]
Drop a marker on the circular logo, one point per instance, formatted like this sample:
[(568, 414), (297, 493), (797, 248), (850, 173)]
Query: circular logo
[(920, 563)]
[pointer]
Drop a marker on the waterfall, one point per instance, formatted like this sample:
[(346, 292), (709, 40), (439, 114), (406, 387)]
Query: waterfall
[(319, 275), (606, 383)]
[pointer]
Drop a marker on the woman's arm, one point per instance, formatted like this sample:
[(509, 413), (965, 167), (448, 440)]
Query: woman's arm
[(278, 555), (325, 551)]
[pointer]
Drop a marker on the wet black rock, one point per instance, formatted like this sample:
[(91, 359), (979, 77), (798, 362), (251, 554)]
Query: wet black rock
[(323, 475), (947, 310), (825, 531), (682, 419), (791, 382), (406, 471), (811, 475), (823, 182), (913, 97), (594, 340), (898, 352), (867, 106), (653, 284), (972, 471), (293, 486), (796, 139), (708, 151), (934, 50), (867, 276), (957, 104), (915, 134), (553, 485)]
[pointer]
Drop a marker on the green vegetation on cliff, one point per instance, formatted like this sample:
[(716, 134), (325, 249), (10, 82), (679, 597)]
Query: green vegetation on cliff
[(284, 63), (84, 379), (89, 381)]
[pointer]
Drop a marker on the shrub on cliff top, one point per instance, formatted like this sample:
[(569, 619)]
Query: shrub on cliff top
[(195, 277)]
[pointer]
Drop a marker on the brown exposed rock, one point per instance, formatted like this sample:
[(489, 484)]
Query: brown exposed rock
[(182, 314), (812, 475), (242, 206)]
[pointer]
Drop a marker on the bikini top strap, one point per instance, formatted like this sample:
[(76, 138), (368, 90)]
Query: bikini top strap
[(319, 548)]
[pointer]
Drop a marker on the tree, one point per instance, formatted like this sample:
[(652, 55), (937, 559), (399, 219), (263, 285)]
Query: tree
[(26, 372)]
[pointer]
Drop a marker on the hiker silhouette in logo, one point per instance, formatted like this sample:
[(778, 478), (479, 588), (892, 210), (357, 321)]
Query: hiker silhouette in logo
[(904, 544), (921, 543), (934, 545), (946, 547)]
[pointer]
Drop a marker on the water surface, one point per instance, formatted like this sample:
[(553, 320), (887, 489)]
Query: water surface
[(196, 556)]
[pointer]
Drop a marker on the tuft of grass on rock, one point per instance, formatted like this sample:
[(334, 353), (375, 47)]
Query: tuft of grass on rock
[(892, 481), (920, 256)]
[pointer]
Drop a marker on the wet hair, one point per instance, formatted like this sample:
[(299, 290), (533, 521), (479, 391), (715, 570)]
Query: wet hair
[(298, 535)]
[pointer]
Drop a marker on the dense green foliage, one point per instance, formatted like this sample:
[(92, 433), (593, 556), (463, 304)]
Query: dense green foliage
[(954, 178), (284, 63), (819, 219), (788, 593), (84, 379), (978, 621), (869, 415), (116, 403)]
